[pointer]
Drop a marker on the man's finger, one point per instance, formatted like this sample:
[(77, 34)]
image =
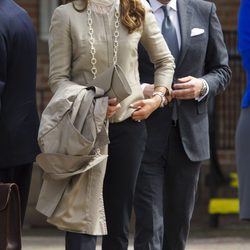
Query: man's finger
[(184, 79), (183, 85)]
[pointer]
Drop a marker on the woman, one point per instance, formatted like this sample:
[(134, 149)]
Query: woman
[(242, 133), (82, 45)]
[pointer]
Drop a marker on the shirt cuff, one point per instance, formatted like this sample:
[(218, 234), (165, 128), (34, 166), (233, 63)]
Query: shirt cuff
[(143, 85)]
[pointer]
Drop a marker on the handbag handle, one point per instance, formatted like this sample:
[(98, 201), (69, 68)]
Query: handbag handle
[(92, 40)]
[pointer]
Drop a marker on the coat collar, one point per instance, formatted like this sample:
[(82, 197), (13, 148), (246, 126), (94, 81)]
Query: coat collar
[(184, 14)]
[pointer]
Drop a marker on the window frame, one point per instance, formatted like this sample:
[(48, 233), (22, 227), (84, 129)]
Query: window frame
[(46, 9)]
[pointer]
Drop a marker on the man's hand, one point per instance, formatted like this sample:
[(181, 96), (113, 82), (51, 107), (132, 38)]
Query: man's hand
[(187, 88), (113, 106)]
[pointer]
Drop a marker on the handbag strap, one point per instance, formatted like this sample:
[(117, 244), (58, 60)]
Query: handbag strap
[(92, 39)]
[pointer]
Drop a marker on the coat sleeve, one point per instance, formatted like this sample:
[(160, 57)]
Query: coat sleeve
[(217, 71), (158, 51), (3, 66), (60, 50)]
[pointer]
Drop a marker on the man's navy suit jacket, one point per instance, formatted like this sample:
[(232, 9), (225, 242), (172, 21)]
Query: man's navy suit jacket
[(18, 114)]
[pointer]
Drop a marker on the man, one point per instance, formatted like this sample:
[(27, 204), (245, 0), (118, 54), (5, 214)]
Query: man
[(18, 115), (178, 138)]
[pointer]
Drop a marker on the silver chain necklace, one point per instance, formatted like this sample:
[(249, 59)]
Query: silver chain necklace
[(92, 39)]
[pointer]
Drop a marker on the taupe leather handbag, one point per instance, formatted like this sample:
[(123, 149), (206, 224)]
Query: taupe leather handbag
[(113, 82), (10, 220)]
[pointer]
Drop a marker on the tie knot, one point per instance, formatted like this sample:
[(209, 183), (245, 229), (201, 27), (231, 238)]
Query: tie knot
[(165, 10)]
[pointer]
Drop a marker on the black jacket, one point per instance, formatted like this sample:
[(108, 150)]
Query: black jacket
[(18, 114)]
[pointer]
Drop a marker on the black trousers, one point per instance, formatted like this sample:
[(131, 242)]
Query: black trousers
[(165, 191), (77, 241), (127, 145), (21, 175)]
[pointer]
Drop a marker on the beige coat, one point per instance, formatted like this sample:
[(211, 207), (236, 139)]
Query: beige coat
[(70, 51), (73, 140)]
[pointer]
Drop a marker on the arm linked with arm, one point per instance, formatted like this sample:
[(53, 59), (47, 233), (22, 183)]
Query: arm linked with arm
[(159, 54)]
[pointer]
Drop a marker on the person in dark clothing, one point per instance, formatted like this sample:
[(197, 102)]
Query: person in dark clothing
[(19, 120), (178, 135)]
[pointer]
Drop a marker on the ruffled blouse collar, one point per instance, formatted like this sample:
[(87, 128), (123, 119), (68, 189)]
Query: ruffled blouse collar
[(104, 6), (103, 2)]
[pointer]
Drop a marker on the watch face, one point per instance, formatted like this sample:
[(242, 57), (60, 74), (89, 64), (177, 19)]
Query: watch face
[(203, 90)]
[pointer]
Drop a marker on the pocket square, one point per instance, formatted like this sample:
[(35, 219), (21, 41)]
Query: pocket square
[(197, 31)]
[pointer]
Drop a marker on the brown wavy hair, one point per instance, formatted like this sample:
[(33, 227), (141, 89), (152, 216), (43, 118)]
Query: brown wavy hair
[(132, 13)]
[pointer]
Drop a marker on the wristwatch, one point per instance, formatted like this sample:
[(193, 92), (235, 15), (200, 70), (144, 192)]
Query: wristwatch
[(162, 96), (203, 90)]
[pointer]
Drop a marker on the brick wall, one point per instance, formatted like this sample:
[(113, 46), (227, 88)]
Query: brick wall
[(32, 7), (227, 12)]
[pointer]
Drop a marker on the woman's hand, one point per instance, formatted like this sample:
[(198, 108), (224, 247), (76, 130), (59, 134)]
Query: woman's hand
[(144, 108), (113, 106)]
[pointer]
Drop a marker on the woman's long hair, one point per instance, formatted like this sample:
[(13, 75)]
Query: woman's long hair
[(132, 13)]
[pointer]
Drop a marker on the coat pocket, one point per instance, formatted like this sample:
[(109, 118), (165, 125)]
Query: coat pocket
[(202, 106), (66, 139)]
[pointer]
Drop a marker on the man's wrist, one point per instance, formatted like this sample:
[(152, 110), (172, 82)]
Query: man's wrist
[(204, 88)]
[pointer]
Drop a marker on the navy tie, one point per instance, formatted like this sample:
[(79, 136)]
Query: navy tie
[(169, 33)]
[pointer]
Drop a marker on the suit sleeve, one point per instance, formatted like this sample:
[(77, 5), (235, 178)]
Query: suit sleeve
[(3, 67), (60, 51), (217, 71)]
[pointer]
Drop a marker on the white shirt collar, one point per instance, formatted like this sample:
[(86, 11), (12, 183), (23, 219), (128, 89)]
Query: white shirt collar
[(155, 5)]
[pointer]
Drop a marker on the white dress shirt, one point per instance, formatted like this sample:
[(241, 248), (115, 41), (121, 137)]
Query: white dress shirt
[(173, 15)]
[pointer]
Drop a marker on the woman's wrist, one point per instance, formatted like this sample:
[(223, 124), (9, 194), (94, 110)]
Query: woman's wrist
[(157, 100), (160, 96), (163, 90)]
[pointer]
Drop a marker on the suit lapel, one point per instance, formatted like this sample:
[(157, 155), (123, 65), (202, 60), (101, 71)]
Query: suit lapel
[(184, 14)]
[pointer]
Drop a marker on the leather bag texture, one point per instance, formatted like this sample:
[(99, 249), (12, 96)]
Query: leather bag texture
[(114, 83), (10, 220)]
